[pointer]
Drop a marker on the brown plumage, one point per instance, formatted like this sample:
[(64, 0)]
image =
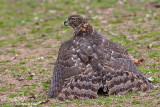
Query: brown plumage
[(89, 62)]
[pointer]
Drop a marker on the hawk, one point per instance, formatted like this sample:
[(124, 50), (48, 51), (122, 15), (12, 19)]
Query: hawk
[(89, 62)]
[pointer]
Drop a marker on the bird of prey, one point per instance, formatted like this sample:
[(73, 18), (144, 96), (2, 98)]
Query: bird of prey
[(89, 62)]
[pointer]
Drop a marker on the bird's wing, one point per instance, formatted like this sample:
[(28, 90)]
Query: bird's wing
[(72, 76), (68, 64), (113, 55), (120, 74)]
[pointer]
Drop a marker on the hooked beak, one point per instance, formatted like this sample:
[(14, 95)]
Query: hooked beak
[(65, 23)]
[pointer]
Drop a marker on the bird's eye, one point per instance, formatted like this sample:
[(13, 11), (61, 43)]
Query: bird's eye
[(73, 19)]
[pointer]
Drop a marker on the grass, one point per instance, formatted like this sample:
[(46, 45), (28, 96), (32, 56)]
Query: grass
[(31, 32), (30, 78), (154, 54), (3, 89), (4, 62), (135, 102), (12, 95)]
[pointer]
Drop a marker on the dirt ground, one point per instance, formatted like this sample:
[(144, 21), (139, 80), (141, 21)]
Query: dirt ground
[(32, 31)]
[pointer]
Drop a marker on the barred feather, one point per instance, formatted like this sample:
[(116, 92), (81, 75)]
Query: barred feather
[(89, 62)]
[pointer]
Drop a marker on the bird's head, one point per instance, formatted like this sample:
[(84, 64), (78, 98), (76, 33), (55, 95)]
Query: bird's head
[(75, 21), (79, 24)]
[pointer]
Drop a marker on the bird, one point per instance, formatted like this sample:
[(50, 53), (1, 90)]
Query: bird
[(89, 62)]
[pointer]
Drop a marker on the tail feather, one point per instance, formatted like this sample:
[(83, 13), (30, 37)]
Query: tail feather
[(81, 87), (121, 84), (86, 85)]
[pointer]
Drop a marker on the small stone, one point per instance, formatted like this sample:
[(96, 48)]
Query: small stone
[(52, 11), (20, 79), (150, 79), (150, 46), (13, 58), (32, 74), (36, 18), (39, 58)]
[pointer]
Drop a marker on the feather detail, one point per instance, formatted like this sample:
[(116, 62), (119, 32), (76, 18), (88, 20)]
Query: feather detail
[(89, 62)]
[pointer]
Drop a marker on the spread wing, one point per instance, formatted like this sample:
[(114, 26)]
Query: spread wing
[(120, 74), (86, 64), (73, 75), (68, 64)]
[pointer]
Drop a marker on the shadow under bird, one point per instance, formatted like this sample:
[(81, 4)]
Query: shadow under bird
[(89, 62)]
